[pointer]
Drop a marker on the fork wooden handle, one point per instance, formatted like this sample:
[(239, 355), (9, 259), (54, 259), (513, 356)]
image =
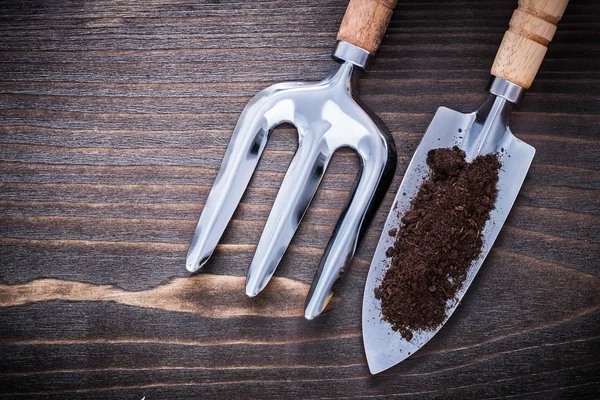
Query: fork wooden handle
[(365, 22), (524, 46)]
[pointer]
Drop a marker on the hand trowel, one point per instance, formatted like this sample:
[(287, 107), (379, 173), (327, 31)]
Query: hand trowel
[(484, 131)]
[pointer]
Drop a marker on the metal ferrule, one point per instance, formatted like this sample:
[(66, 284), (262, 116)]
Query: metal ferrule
[(506, 89), (344, 51)]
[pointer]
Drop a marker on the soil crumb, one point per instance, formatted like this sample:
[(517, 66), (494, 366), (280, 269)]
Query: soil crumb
[(439, 239)]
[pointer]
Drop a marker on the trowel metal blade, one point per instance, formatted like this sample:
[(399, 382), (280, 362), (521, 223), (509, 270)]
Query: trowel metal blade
[(384, 347)]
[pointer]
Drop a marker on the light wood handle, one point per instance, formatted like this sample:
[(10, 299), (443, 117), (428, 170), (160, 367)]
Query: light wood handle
[(524, 46), (365, 22)]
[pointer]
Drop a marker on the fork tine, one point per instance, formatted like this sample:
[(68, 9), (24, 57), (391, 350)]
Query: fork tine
[(375, 177), (297, 190), (247, 143), (232, 179)]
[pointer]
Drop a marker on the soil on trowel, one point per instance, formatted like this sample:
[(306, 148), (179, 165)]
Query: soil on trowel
[(439, 239)]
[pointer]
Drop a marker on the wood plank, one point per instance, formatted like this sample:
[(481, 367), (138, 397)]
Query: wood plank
[(114, 118)]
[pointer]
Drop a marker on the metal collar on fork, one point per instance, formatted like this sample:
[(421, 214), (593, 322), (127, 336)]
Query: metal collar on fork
[(344, 51)]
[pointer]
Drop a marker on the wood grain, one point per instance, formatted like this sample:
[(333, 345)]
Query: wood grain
[(199, 295), (114, 117)]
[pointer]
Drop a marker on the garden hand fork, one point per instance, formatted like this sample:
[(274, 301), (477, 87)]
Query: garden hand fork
[(327, 118)]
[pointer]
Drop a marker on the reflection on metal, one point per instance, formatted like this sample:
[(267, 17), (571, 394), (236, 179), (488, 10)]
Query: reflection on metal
[(327, 118), (481, 132)]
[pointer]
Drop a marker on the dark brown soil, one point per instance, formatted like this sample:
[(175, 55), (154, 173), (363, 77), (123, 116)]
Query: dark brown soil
[(440, 237)]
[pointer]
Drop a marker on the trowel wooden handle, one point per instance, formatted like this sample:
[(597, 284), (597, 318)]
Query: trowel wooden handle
[(524, 46), (365, 22)]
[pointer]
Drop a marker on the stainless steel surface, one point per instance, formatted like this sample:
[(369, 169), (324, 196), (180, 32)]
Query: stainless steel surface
[(507, 90), (481, 132), (327, 118), (488, 128), (344, 51)]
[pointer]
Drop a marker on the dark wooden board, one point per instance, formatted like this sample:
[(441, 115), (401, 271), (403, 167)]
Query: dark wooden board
[(114, 117)]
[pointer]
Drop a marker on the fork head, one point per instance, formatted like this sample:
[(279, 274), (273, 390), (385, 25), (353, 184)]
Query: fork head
[(327, 118)]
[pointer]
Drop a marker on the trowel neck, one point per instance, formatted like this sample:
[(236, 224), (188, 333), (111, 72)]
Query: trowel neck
[(492, 118), (494, 113)]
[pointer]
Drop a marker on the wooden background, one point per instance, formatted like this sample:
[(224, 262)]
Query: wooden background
[(114, 117)]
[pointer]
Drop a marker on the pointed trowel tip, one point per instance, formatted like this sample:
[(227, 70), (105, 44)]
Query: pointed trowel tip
[(376, 367), (384, 348), (380, 364), (376, 363), (373, 370)]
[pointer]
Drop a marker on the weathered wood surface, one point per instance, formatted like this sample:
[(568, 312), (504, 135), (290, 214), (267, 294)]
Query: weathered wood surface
[(114, 117)]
